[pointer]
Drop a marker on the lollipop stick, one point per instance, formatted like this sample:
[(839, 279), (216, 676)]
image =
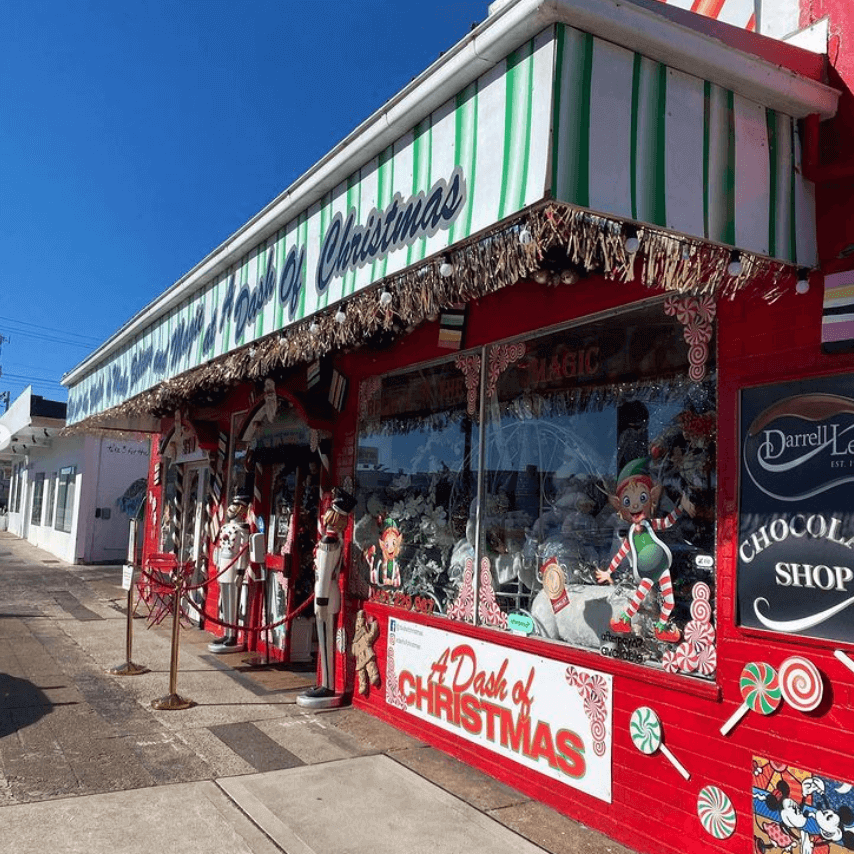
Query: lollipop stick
[(845, 659), (739, 713), (675, 763)]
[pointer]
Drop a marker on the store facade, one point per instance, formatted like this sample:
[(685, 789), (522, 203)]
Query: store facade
[(544, 317)]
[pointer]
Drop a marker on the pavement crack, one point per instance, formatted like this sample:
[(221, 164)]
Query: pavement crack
[(249, 818)]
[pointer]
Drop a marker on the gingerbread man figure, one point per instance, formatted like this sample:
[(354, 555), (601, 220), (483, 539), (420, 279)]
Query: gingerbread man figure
[(363, 651)]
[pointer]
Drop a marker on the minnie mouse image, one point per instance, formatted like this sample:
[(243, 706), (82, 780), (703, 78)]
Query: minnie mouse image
[(802, 828)]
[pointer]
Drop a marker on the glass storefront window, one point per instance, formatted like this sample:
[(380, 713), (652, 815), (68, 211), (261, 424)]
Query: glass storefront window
[(38, 498), (416, 481), (584, 427), (65, 498)]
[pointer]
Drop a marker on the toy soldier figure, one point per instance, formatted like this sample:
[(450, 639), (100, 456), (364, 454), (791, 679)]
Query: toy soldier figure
[(327, 597), (233, 553)]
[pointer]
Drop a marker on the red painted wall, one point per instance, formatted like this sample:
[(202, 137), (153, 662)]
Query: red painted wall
[(653, 809), (835, 196)]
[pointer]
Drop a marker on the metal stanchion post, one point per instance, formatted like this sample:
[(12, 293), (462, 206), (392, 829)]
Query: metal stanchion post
[(129, 668), (173, 701)]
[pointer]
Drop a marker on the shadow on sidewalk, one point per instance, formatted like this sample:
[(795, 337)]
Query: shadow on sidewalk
[(21, 704)]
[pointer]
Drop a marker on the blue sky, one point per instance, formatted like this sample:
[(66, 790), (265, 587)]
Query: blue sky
[(136, 135)]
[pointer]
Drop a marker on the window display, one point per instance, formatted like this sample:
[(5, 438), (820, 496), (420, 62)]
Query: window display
[(416, 481), (595, 524)]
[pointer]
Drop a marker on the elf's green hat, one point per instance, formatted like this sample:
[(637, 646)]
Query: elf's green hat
[(634, 469)]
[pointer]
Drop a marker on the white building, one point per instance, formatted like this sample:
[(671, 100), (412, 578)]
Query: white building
[(66, 492)]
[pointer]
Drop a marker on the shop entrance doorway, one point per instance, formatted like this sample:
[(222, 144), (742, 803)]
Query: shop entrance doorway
[(277, 464)]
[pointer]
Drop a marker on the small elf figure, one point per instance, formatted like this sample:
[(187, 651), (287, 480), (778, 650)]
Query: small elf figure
[(635, 500), (362, 648), (385, 571)]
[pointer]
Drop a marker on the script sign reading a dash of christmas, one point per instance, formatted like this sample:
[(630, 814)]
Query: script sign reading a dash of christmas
[(548, 716), (796, 515)]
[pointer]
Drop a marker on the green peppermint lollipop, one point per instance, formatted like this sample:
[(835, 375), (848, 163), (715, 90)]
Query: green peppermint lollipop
[(760, 691), (645, 729)]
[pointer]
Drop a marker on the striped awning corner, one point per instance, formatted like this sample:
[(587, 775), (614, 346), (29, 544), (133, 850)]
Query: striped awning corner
[(837, 323)]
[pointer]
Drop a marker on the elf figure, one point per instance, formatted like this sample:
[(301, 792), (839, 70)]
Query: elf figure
[(385, 572), (635, 500)]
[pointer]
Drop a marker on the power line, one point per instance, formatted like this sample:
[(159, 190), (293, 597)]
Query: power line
[(53, 340), (25, 378), (91, 338)]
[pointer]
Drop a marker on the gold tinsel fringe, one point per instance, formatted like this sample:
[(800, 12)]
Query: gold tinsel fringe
[(482, 265)]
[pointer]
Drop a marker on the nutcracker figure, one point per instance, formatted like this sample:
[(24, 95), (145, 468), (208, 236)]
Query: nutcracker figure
[(232, 555), (327, 597)]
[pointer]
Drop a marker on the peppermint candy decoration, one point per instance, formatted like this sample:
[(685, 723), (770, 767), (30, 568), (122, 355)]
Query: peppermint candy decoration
[(584, 683), (669, 661), (760, 687), (594, 709), (697, 333), (801, 684), (699, 633), (393, 695), (599, 687), (599, 748), (463, 608), (598, 731), (671, 303), (686, 657), (645, 730), (707, 660), (701, 610), (716, 812), (701, 590), (697, 353), (686, 309), (706, 309)]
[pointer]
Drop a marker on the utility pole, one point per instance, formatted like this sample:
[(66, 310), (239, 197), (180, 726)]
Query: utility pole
[(4, 395)]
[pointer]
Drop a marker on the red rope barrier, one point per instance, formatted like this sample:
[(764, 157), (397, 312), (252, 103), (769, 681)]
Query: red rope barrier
[(290, 616), (186, 588)]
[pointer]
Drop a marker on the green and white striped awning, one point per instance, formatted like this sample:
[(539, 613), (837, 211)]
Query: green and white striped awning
[(641, 141), (567, 114)]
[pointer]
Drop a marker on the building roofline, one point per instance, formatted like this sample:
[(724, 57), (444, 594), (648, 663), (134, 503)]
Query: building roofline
[(683, 40)]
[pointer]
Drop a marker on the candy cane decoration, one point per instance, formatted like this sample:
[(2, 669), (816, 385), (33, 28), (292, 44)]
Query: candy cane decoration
[(216, 485), (177, 507), (257, 510)]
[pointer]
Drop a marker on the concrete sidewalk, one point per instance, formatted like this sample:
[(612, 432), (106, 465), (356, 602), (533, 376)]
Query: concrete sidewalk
[(87, 765)]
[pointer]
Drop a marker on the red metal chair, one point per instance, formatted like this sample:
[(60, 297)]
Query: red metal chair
[(156, 588)]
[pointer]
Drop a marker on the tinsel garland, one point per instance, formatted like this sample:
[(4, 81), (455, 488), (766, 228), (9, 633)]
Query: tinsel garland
[(482, 265)]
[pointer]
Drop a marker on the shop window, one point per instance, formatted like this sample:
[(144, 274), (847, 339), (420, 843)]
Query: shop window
[(416, 482), (51, 495), (166, 536), (38, 499), (15, 502), (65, 498), (19, 488), (582, 426)]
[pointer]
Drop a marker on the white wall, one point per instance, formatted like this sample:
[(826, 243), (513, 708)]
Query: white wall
[(119, 465), (105, 469), (62, 452)]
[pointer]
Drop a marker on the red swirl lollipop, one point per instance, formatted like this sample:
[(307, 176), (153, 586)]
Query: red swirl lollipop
[(800, 682), (760, 690)]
